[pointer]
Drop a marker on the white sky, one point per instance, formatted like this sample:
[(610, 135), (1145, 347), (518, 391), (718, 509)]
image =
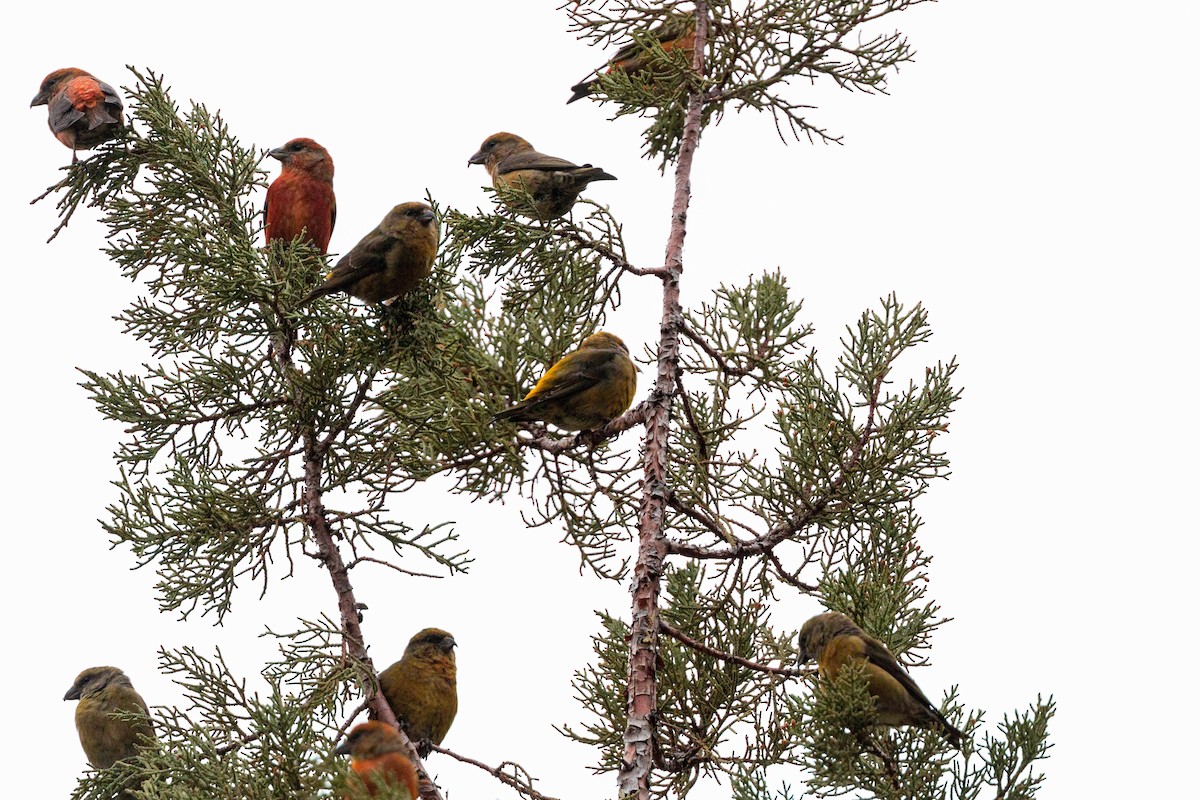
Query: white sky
[(1031, 179)]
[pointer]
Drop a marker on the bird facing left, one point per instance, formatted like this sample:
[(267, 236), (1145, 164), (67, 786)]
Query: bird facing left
[(300, 202), (102, 693), (83, 110)]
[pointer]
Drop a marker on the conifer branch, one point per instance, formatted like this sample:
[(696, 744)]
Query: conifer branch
[(524, 787), (696, 644)]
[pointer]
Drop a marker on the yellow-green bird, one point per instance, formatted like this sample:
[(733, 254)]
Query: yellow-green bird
[(422, 687), (553, 183), (584, 389), (107, 739), (389, 261), (832, 639)]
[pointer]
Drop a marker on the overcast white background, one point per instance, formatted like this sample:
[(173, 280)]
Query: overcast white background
[(1031, 179)]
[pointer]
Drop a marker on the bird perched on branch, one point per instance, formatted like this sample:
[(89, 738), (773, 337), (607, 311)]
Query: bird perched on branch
[(300, 202), (377, 757), (834, 640), (553, 183), (421, 688), (678, 32), (84, 111), (102, 692), (389, 261), (584, 389)]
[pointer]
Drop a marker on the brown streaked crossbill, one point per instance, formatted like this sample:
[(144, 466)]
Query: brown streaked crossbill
[(300, 202), (84, 111), (377, 757), (389, 261), (678, 32), (102, 693), (421, 687), (584, 389), (553, 183), (833, 640)]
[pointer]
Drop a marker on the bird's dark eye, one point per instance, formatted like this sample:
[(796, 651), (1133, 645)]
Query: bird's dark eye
[(296, 147), (490, 144)]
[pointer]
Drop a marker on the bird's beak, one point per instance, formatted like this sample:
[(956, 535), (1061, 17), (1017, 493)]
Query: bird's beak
[(478, 158), (343, 749), (40, 99), (426, 216), (72, 693), (448, 644), (278, 153)]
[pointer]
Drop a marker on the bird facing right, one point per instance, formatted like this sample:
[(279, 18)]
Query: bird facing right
[(584, 389), (832, 639), (553, 183), (377, 757), (103, 692), (422, 687)]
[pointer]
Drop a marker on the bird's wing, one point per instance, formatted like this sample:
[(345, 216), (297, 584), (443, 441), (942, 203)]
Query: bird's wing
[(366, 258), (574, 373), (878, 655), (63, 113), (332, 216), (672, 29), (532, 159)]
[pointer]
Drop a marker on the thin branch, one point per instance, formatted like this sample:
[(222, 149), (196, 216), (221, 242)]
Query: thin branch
[(696, 644), (525, 789)]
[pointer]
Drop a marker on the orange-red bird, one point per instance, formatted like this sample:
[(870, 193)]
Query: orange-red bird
[(677, 33), (84, 111), (377, 757), (300, 201)]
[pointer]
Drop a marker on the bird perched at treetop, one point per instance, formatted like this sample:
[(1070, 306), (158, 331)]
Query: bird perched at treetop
[(389, 261), (584, 389), (834, 640), (553, 183), (377, 757), (84, 111), (107, 739), (421, 687), (678, 32), (301, 201)]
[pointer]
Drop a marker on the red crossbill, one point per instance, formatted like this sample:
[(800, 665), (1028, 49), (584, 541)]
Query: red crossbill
[(833, 639), (84, 111), (390, 260), (553, 183), (421, 687), (377, 757), (106, 739), (300, 201), (678, 32), (584, 390)]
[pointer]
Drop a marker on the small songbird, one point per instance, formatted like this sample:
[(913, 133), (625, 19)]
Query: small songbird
[(389, 261), (833, 639), (421, 688), (84, 111), (106, 739), (678, 32), (584, 389), (300, 201), (553, 183), (377, 757)]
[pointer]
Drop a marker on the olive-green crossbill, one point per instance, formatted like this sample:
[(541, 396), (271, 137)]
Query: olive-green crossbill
[(83, 110), (833, 639), (421, 687), (103, 692), (584, 389), (300, 202), (389, 261), (553, 183), (377, 757), (678, 32)]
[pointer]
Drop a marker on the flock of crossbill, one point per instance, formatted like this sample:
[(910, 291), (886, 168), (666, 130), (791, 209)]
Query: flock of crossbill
[(584, 390)]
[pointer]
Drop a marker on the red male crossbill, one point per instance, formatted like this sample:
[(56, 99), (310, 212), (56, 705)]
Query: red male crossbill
[(107, 739), (678, 32), (390, 260), (584, 389), (421, 687), (377, 757), (84, 111), (300, 201), (833, 639), (553, 183)]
